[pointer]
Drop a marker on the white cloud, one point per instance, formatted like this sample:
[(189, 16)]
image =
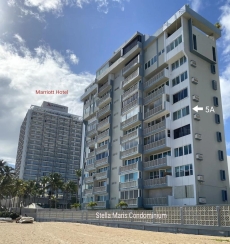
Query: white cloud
[(19, 38), (195, 5), (225, 42), (22, 73), (72, 57)]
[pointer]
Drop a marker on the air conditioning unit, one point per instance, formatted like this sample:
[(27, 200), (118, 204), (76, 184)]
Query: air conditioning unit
[(193, 63), (200, 178), (195, 98), (194, 80), (196, 116), (198, 136), (202, 200), (199, 156)]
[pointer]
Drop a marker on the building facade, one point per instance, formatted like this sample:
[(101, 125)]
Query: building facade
[(145, 144), (49, 141)]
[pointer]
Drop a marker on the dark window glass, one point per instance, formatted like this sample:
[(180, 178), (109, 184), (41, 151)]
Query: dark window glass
[(194, 42), (214, 53), (180, 95), (213, 69), (214, 84), (221, 155), (219, 136), (222, 175), (215, 101), (182, 131), (224, 195), (217, 118)]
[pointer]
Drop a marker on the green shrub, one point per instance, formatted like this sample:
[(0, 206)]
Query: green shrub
[(6, 214)]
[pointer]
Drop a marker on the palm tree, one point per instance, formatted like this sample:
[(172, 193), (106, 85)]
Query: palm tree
[(218, 25), (55, 183), (92, 204), (76, 205), (121, 204), (78, 173), (2, 165), (69, 187), (44, 181)]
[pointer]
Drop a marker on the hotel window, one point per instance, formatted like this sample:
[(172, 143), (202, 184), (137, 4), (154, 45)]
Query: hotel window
[(180, 95), (220, 155), (180, 151), (219, 136), (214, 53), (184, 170), (224, 195), (182, 131), (194, 42), (181, 113), (222, 175), (217, 118), (215, 101), (179, 78), (214, 84)]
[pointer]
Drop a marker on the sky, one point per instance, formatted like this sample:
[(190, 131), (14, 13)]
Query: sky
[(59, 44)]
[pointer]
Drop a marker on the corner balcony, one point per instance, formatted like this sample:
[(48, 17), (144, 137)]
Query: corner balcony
[(102, 162), (157, 145), (89, 90), (158, 182), (104, 100), (91, 154), (132, 135), (164, 108), (134, 151), (165, 124), (133, 89), (101, 175), (92, 132), (134, 202), (106, 87), (90, 114), (131, 122), (157, 163), (88, 192), (89, 167), (91, 143), (88, 179), (131, 79), (159, 78), (131, 105), (129, 168), (100, 189), (136, 184), (130, 67), (104, 124), (102, 136), (156, 95), (104, 112), (102, 149), (155, 201)]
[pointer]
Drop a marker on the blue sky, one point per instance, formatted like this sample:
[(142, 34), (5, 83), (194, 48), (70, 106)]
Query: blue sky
[(59, 44)]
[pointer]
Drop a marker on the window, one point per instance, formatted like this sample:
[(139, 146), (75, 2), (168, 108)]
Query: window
[(146, 66), (222, 175), (173, 44), (219, 136), (128, 177), (183, 150), (214, 53), (179, 78), (194, 42), (220, 155), (217, 118), (181, 113), (213, 69), (184, 170), (180, 95), (178, 63), (182, 131), (214, 84), (215, 101), (224, 195)]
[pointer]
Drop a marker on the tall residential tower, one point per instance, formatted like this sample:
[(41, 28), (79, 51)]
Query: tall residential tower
[(49, 141), (145, 144)]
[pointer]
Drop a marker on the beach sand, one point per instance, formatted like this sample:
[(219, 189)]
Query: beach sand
[(68, 233)]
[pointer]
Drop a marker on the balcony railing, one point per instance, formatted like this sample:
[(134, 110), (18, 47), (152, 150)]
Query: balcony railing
[(163, 181), (152, 128), (154, 95), (101, 175), (103, 99), (157, 201), (130, 152), (88, 191), (102, 135), (103, 111), (90, 143), (156, 78), (129, 184), (131, 121), (129, 106), (101, 204), (130, 201), (130, 77), (102, 148), (153, 111), (101, 162), (157, 163), (130, 65), (91, 132), (131, 90), (129, 136), (103, 123), (89, 167), (102, 88), (99, 189), (91, 154), (88, 179), (129, 167), (155, 144)]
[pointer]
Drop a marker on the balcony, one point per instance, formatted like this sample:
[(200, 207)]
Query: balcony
[(100, 189), (158, 182), (155, 201), (157, 163), (102, 135), (100, 204), (156, 95), (91, 154), (104, 124), (90, 89), (88, 192), (165, 124), (130, 67), (131, 184), (91, 143), (101, 175), (164, 107), (105, 111), (102, 162), (132, 135), (129, 168), (89, 179), (105, 99), (102, 149), (131, 152), (131, 91), (157, 145), (135, 120), (92, 132), (159, 78), (134, 202), (89, 167), (131, 79), (131, 105), (106, 87)]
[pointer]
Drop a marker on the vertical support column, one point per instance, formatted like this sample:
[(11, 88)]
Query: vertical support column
[(218, 215), (181, 216), (153, 216)]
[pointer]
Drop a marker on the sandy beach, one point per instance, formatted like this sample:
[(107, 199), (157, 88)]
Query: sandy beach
[(71, 233)]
